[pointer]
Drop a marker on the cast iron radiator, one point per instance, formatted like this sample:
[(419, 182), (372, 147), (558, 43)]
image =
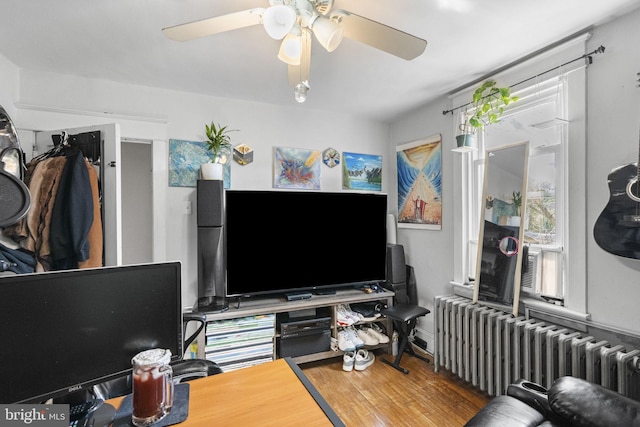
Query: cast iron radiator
[(490, 349)]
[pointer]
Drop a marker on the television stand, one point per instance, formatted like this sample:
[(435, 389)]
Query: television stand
[(254, 326)]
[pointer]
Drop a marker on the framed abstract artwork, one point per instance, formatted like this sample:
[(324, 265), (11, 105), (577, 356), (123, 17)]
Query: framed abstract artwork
[(419, 165), (361, 172), (185, 158), (297, 168)]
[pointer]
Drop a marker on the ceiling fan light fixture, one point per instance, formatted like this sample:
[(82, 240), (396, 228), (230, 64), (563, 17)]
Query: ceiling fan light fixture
[(327, 31), (291, 48), (300, 91), (279, 20)]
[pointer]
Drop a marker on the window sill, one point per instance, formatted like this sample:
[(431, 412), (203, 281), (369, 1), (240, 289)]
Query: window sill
[(533, 305), (530, 304)]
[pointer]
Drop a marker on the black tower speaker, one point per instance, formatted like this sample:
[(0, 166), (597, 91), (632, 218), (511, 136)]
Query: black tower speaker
[(397, 272), (210, 206), (211, 264), (412, 286)]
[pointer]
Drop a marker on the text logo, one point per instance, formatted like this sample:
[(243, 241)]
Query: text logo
[(34, 415)]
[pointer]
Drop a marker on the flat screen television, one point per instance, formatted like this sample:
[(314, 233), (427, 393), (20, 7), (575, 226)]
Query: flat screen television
[(68, 330), (300, 241)]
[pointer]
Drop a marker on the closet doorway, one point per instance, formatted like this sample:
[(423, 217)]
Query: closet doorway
[(137, 201)]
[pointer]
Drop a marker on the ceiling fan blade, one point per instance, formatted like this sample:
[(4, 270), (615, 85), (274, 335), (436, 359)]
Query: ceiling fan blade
[(380, 36), (300, 73), (215, 25)]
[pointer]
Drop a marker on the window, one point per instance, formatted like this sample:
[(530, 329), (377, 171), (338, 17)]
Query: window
[(540, 118), (550, 115)]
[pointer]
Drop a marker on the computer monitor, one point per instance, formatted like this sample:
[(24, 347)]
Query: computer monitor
[(68, 330)]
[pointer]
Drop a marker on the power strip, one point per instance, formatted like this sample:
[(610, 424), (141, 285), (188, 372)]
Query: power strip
[(420, 343)]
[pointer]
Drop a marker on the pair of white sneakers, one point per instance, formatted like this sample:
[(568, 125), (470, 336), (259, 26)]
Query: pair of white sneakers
[(358, 360), (372, 335)]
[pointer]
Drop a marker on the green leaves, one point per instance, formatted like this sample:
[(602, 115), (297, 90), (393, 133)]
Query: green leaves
[(218, 136), (489, 102)]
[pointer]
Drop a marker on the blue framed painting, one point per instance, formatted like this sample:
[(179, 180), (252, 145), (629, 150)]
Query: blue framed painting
[(361, 172), (419, 166), (185, 158)]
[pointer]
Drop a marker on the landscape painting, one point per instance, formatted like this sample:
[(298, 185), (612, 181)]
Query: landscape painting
[(420, 184), (296, 168), (361, 172)]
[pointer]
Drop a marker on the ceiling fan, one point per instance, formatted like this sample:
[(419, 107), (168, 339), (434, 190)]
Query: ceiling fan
[(293, 22)]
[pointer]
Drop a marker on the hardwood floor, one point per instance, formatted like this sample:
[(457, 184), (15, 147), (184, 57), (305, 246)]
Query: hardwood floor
[(382, 396)]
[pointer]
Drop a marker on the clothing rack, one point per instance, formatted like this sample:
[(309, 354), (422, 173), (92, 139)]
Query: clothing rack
[(87, 142), (587, 56)]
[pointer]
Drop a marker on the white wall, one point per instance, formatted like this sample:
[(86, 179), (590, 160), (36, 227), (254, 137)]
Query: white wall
[(429, 252), (161, 114), (9, 87), (613, 119)]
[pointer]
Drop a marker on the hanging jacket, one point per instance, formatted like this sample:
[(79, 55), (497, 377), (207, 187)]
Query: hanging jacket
[(32, 232), (72, 215), (18, 261), (95, 233)]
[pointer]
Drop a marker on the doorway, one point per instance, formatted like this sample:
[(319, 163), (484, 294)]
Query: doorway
[(137, 201)]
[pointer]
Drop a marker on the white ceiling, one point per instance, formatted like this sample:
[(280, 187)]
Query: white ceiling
[(121, 40)]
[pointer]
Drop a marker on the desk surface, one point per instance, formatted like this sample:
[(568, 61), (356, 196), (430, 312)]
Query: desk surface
[(273, 393)]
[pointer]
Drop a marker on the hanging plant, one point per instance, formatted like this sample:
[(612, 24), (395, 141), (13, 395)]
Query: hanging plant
[(488, 104)]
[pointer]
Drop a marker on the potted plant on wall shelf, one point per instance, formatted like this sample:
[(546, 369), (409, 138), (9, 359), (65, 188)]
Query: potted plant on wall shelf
[(466, 136), (487, 106), (217, 139)]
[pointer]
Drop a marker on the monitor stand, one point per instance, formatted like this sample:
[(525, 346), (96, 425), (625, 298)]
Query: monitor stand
[(101, 417), (212, 305)]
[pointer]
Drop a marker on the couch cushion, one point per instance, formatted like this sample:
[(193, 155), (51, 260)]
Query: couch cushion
[(506, 411), (582, 403)]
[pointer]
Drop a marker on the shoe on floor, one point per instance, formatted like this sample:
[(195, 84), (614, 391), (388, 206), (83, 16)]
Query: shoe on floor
[(348, 360), (364, 359)]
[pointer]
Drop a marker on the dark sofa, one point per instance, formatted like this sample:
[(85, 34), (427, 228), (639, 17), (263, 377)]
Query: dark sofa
[(568, 402)]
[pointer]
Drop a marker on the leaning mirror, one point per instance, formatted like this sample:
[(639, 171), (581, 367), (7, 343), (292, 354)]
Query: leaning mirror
[(500, 249)]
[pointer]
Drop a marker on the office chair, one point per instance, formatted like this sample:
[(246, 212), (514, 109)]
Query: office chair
[(405, 313)]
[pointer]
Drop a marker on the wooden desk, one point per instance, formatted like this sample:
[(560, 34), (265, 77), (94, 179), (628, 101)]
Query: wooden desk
[(273, 393)]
